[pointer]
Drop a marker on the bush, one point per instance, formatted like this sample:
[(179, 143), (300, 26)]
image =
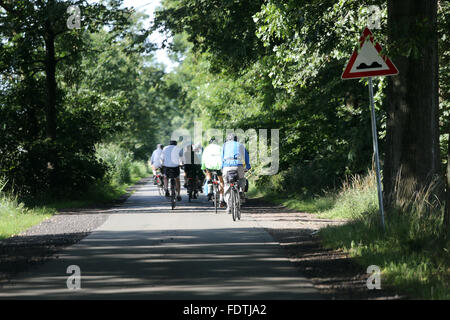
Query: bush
[(139, 169), (357, 199), (46, 169), (118, 161), (121, 167), (303, 181)]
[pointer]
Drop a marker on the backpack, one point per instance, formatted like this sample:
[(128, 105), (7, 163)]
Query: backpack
[(232, 176)]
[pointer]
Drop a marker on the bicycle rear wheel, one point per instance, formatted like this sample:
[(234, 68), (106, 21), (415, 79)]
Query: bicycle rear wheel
[(216, 198), (234, 204), (173, 199), (173, 202), (161, 190), (237, 203), (238, 206)]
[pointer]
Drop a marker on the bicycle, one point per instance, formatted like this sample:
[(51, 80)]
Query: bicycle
[(173, 195), (215, 187), (172, 175), (159, 182), (235, 198)]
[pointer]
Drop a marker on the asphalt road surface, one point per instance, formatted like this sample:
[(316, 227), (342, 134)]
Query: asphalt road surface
[(145, 250)]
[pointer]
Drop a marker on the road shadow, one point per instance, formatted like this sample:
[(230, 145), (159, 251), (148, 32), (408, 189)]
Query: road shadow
[(168, 264)]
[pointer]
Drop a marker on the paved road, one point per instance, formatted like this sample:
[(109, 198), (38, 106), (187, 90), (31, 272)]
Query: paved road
[(147, 251)]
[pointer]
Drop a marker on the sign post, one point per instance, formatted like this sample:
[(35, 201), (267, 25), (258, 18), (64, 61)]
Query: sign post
[(375, 150), (368, 62)]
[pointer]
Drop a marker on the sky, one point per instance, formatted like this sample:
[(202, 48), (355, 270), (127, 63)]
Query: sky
[(149, 6)]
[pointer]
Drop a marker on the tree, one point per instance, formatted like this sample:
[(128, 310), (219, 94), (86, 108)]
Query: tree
[(444, 90), (115, 70), (39, 63), (412, 158), (44, 26)]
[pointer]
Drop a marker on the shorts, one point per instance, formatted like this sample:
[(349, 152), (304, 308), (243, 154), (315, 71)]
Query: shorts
[(219, 172), (193, 170), (171, 172)]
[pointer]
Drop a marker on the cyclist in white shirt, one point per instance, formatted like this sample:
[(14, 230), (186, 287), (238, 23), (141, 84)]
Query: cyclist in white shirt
[(155, 160), (171, 160), (212, 161)]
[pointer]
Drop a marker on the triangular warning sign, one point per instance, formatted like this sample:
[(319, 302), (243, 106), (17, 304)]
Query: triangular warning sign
[(368, 61)]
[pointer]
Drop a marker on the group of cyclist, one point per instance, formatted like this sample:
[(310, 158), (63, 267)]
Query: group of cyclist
[(229, 161)]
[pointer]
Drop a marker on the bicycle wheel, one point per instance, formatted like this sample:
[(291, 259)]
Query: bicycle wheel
[(172, 195), (173, 201), (238, 205), (233, 203), (216, 198)]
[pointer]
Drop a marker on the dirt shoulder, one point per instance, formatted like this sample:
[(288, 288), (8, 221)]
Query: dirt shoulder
[(334, 273)]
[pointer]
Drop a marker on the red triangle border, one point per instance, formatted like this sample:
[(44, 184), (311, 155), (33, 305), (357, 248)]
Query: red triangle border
[(356, 75)]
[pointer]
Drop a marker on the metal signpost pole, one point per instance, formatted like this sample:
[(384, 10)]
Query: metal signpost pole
[(375, 149), (369, 62)]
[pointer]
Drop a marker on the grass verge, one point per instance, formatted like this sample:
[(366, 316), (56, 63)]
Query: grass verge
[(417, 266), (292, 201), (15, 217)]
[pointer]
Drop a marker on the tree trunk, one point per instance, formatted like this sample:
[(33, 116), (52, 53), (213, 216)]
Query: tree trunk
[(447, 202), (412, 133), (50, 71), (51, 116)]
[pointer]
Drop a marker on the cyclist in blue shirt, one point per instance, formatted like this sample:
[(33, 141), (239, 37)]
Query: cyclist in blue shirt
[(235, 160)]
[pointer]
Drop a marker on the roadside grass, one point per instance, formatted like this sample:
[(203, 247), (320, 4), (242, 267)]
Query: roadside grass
[(417, 265), (357, 199), (412, 252), (292, 201), (16, 217)]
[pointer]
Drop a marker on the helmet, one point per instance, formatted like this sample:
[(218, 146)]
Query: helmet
[(232, 137), (173, 143), (212, 140), (159, 146)]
